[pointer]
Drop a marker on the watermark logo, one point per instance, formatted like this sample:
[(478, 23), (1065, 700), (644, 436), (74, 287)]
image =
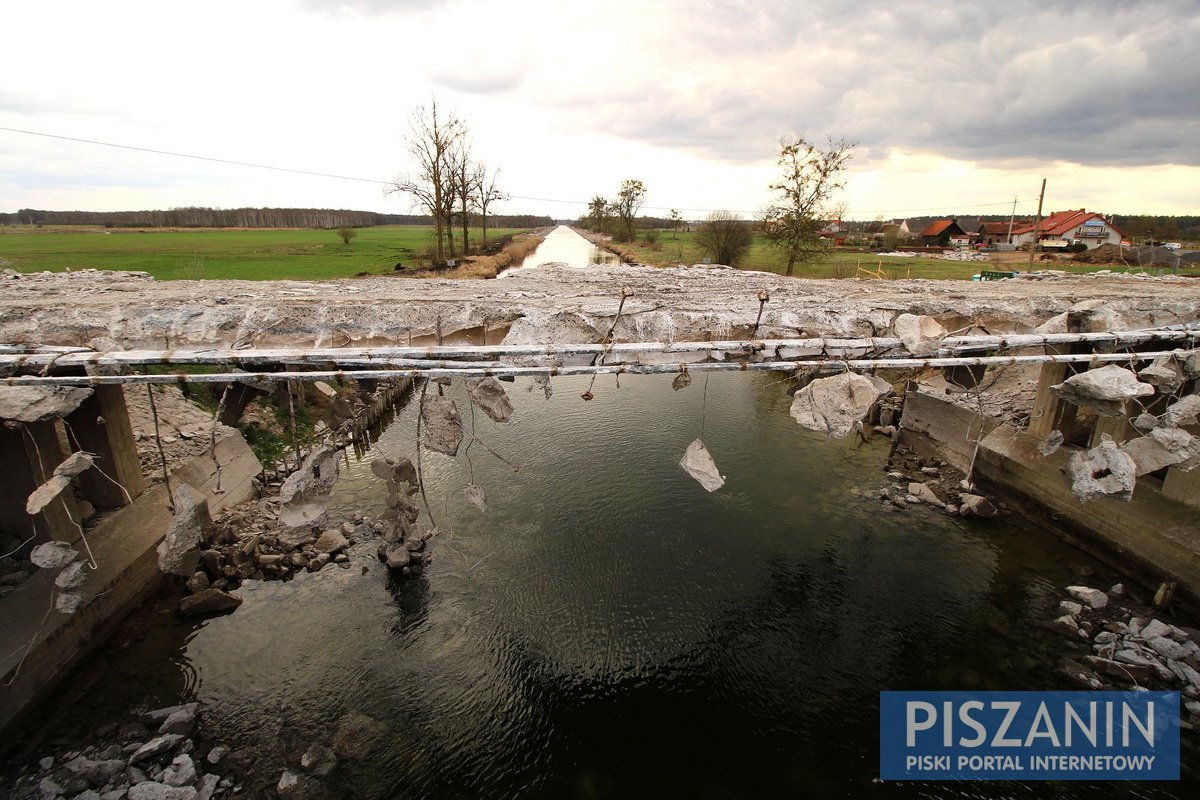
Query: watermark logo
[(1029, 735)]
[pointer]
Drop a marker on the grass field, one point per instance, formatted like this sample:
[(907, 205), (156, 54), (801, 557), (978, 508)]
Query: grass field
[(297, 254), (841, 263)]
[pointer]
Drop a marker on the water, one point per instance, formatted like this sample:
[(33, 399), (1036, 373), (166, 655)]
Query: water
[(564, 246), (609, 629)]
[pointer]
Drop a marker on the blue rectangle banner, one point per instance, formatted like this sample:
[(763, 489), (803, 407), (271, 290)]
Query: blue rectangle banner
[(1029, 735)]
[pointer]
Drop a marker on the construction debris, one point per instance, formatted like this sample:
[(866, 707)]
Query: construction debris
[(698, 463), (1103, 471), (489, 395), (305, 494), (475, 496), (837, 405), (920, 334), (76, 464), (179, 551), (1162, 447), (1106, 389), (53, 555), (443, 425), (1183, 412), (39, 404)]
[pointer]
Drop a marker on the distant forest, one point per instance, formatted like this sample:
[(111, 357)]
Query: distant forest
[(247, 218)]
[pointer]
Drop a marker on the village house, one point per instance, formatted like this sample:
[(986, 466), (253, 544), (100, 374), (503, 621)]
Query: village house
[(1063, 228)]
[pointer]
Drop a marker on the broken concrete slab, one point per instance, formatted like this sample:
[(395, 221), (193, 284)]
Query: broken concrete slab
[(1106, 389), (305, 494), (1103, 471), (1182, 412), (443, 425), (1162, 447), (179, 551), (331, 541), (1049, 446), (920, 334), (489, 395), (64, 473), (698, 463), (1165, 373), (835, 405), (38, 404)]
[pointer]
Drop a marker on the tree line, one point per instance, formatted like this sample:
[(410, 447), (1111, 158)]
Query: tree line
[(200, 217)]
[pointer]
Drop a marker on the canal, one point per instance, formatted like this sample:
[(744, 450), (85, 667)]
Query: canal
[(608, 628)]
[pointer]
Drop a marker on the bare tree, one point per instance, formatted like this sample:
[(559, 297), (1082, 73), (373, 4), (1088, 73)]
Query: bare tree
[(676, 218), (725, 238), (629, 201), (811, 176), (487, 191), (598, 213), (429, 143)]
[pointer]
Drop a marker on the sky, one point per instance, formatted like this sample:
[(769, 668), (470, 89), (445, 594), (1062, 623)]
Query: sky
[(954, 107)]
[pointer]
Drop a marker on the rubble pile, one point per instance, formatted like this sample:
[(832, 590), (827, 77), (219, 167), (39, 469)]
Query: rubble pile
[(1118, 643), (158, 756)]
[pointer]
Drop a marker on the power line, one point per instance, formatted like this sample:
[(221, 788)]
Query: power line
[(312, 173)]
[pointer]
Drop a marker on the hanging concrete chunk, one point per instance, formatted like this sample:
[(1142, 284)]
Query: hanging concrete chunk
[(72, 576), (37, 404), (1145, 422), (443, 425), (475, 496), (1103, 471), (698, 463), (1106, 389), (682, 381), (542, 382), (1163, 447), (68, 602), (920, 334), (179, 551), (53, 555), (401, 470), (836, 405), (489, 395), (76, 464), (305, 494), (1183, 412), (1165, 373), (1049, 446)]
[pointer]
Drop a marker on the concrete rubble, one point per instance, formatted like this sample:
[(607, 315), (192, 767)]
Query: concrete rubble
[(304, 496), (836, 405), (1105, 388), (76, 464), (1163, 447), (37, 404), (1116, 644), (53, 555), (179, 551), (698, 463), (135, 760), (489, 395), (475, 496), (1103, 471), (442, 423), (921, 334)]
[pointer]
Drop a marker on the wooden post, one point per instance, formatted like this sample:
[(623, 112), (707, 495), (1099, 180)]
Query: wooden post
[(101, 426), (30, 452)]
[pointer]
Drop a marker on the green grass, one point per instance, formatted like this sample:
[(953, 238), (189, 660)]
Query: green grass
[(297, 254), (837, 263)]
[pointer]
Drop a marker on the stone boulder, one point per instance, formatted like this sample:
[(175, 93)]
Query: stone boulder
[(209, 601)]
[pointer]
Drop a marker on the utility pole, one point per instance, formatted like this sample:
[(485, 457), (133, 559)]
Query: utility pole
[(1036, 225), (1011, 218)]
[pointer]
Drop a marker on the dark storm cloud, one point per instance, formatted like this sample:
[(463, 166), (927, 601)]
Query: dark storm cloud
[(1106, 82)]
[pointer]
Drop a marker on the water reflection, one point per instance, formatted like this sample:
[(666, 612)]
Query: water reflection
[(564, 246)]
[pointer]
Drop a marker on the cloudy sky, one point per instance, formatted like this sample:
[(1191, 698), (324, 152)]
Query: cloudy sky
[(956, 107)]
